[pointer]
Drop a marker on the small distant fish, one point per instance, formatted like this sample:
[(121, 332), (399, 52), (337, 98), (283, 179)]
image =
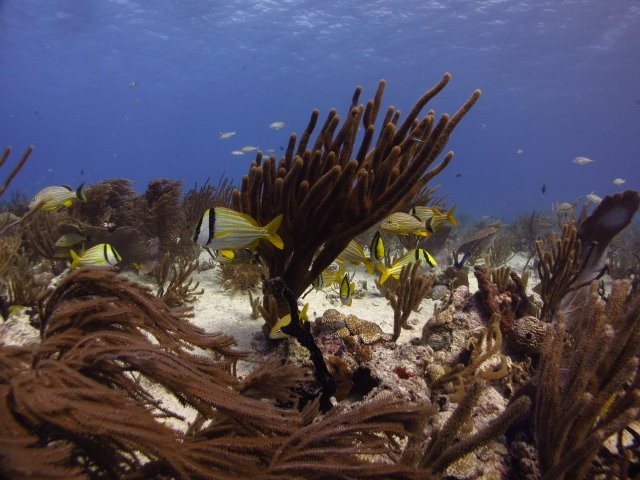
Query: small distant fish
[(519, 151), (483, 125), (57, 197), (619, 181), (458, 175), (593, 198), (225, 135), (543, 189), (402, 223), (102, 254), (69, 240), (347, 289), (276, 331), (133, 84), (237, 152), (277, 125), (354, 254), (582, 160), (226, 230), (248, 148), (414, 255), (565, 207)]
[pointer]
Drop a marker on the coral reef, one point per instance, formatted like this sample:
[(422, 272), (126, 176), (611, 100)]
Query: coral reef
[(110, 379)]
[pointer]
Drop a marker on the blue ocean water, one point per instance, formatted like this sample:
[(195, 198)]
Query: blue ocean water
[(139, 89)]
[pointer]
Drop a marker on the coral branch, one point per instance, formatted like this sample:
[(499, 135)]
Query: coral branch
[(328, 197)]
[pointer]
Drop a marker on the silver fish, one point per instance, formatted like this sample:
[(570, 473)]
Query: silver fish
[(582, 160), (225, 135), (277, 125)]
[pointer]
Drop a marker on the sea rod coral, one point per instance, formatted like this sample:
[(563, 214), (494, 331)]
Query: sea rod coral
[(328, 195)]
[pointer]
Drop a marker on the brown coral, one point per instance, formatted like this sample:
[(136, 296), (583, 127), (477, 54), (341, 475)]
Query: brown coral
[(328, 196), (588, 386)]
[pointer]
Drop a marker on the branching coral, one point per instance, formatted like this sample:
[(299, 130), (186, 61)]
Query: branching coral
[(41, 231), (79, 405), (558, 268), (480, 348), (108, 202), (175, 285), (165, 219), (17, 167), (328, 196), (442, 450), (197, 200), (406, 293), (241, 277), (588, 385), (575, 259)]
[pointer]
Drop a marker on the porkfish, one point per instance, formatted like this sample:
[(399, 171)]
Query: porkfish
[(100, 255), (413, 255), (276, 331), (227, 230)]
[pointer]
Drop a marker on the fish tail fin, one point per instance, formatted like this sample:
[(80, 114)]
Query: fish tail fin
[(384, 273), (450, 218), (369, 265), (75, 258), (80, 193), (272, 227)]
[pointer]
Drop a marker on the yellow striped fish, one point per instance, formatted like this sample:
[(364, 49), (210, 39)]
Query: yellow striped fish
[(276, 331), (226, 230), (354, 254), (102, 254), (56, 197), (402, 223), (413, 255), (434, 217), (377, 248), (328, 277), (347, 289)]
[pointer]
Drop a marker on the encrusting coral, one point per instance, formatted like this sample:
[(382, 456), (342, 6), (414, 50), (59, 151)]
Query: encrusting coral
[(328, 196)]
